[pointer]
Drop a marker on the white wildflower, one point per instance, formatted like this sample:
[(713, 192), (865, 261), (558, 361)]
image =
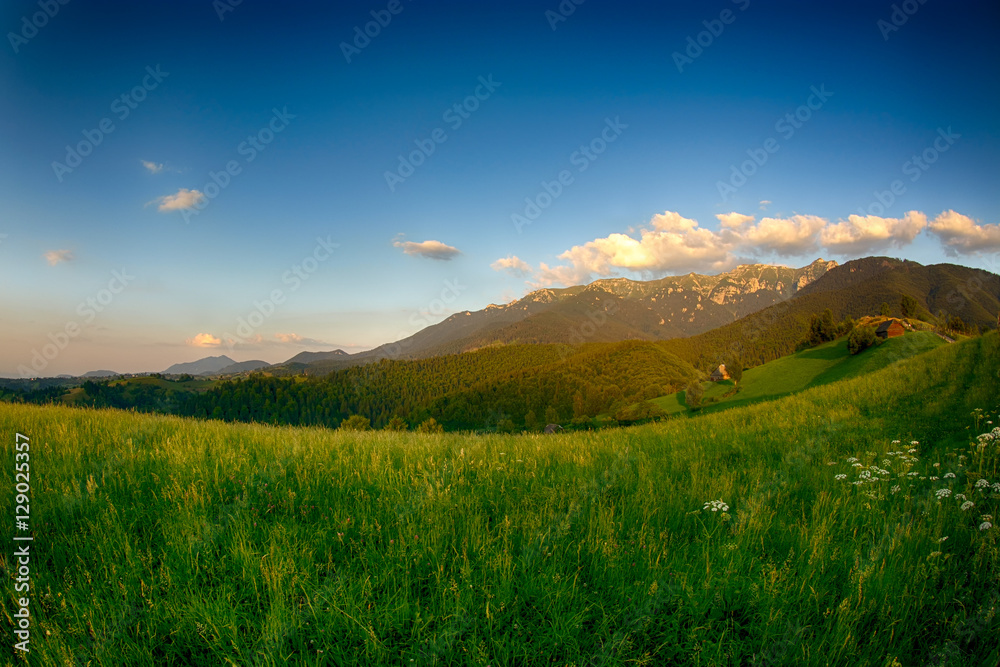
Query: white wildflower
[(981, 483), (840, 476), (968, 505), (942, 493), (985, 525), (949, 475), (716, 505)]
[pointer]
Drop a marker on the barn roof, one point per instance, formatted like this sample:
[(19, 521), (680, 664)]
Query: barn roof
[(885, 326)]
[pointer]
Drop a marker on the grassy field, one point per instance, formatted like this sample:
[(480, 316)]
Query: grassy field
[(163, 541), (817, 366)]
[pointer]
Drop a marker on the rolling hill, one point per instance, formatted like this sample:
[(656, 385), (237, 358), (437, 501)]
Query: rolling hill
[(813, 367)]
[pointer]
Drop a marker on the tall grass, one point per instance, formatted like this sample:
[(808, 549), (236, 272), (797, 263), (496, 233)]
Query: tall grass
[(167, 541)]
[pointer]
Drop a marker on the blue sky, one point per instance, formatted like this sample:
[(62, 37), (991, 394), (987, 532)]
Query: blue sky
[(662, 120)]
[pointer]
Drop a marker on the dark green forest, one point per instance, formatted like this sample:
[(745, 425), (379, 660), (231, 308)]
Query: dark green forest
[(504, 389), (499, 389)]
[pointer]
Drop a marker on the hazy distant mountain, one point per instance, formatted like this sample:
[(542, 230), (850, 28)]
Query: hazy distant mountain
[(243, 366), (312, 357), (201, 366), (99, 374)]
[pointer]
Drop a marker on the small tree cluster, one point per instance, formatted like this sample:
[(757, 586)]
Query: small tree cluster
[(397, 423), (860, 339), (430, 425), (822, 328), (356, 423), (693, 394), (734, 368), (643, 411)]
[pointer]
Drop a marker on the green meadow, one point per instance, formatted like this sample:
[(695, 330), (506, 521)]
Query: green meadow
[(168, 541), (816, 366)]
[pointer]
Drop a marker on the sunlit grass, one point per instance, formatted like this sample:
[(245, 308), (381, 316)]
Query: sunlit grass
[(813, 367), (168, 541)]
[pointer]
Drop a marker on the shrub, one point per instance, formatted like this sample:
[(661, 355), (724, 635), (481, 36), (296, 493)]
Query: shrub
[(430, 425), (693, 394), (356, 423), (860, 339), (640, 412), (397, 423)]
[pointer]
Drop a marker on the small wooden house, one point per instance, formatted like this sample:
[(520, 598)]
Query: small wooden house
[(719, 374), (889, 329)]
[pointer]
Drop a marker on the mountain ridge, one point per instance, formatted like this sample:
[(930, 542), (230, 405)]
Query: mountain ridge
[(669, 307)]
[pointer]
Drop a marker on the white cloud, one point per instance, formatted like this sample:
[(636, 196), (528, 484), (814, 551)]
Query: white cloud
[(861, 234), (670, 243), (734, 220), (428, 249), (795, 235), (560, 275), (669, 221), (295, 339), (182, 200), (54, 257), (204, 340), (513, 265), (673, 244), (960, 234), (152, 167)]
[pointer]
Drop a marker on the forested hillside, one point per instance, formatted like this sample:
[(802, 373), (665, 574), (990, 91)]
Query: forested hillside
[(503, 388)]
